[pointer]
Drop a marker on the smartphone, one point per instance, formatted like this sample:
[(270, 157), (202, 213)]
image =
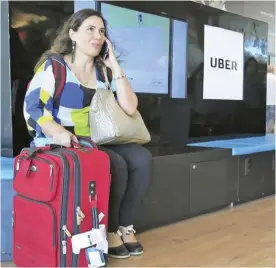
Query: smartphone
[(104, 51)]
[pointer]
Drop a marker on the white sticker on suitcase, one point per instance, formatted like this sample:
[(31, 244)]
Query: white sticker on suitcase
[(88, 239)]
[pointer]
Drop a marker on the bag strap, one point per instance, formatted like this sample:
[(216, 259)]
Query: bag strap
[(107, 84), (59, 70)]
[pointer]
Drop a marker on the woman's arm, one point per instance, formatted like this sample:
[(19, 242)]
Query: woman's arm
[(126, 97), (51, 128), (59, 134), (38, 107)]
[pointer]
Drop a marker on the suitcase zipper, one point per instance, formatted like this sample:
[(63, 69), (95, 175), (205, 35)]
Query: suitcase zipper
[(53, 213), (51, 170), (43, 160), (76, 207), (64, 206), (77, 187)]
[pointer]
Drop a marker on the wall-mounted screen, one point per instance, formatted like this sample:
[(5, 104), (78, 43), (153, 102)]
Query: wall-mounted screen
[(141, 42), (223, 64), (179, 59)]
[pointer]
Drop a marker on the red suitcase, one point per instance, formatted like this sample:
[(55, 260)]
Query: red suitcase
[(60, 192)]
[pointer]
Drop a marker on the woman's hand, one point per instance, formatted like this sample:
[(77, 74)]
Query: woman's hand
[(64, 138), (111, 61), (59, 134)]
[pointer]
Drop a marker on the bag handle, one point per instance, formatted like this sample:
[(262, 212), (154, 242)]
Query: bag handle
[(87, 142), (84, 142), (107, 84)]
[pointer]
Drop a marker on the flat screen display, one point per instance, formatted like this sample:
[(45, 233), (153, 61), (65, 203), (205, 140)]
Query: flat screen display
[(179, 59), (141, 42)]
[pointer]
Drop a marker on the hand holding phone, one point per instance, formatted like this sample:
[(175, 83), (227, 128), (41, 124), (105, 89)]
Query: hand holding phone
[(107, 55), (105, 51)]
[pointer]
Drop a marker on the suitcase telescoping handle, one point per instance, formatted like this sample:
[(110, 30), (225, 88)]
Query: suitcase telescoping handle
[(94, 204)]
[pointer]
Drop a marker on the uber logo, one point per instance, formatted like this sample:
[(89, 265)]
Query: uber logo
[(223, 64)]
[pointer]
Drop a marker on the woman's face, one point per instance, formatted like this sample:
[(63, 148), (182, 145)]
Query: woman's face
[(90, 36)]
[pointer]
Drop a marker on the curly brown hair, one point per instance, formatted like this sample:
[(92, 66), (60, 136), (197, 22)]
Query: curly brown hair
[(62, 44)]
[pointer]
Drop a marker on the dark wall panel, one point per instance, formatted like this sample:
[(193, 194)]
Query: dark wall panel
[(32, 28), (171, 121), (199, 119), (6, 121)]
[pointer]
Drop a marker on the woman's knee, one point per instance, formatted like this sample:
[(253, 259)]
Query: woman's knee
[(140, 158), (144, 157), (118, 166), (141, 166)]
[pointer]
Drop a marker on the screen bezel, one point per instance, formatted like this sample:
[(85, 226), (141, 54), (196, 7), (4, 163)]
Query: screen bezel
[(171, 58)]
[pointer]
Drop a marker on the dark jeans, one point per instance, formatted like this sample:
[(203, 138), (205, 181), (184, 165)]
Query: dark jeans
[(130, 166)]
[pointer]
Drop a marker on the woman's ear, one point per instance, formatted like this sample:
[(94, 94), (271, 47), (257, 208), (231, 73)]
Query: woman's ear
[(72, 34)]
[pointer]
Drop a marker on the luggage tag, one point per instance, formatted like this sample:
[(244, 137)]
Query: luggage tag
[(94, 257), (87, 239), (103, 246)]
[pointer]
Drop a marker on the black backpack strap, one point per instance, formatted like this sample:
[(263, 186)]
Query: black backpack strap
[(59, 70)]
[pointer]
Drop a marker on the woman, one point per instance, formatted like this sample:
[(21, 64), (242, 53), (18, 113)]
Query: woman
[(80, 42)]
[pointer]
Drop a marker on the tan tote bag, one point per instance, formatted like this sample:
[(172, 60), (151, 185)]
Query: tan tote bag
[(109, 124)]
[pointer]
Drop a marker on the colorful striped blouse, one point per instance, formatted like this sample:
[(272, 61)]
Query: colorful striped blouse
[(70, 110)]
